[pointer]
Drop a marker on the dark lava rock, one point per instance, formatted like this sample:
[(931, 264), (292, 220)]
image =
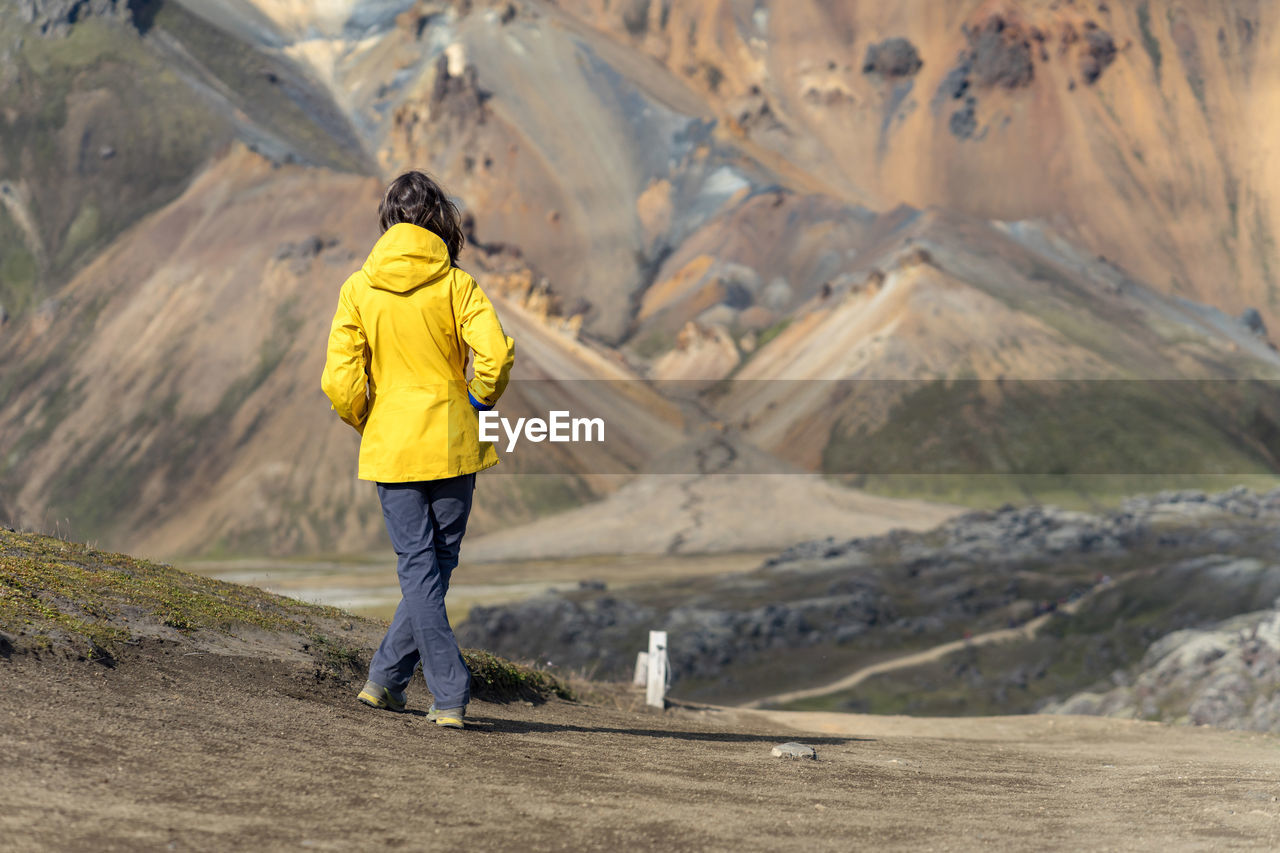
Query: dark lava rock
[(1100, 51), (1252, 321), (301, 254), (602, 635), (893, 57), (964, 121), (874, 595), (1000, 53), (56, 17), (635, 16), (305, 249), (956, 83), (460, 96)]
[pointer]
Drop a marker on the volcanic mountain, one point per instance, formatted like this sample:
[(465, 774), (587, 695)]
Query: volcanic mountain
[(675, 207)]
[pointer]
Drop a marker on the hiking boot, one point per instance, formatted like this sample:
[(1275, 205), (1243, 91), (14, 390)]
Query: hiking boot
[(376, 696), (449, 718)]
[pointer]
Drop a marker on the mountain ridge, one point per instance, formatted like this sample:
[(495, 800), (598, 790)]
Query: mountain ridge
[(644, 222)]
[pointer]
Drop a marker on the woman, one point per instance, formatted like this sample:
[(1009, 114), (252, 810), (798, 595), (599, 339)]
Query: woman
[(396, 372)]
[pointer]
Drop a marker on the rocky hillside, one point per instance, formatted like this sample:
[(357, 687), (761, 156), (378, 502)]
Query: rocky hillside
[(1225, 675), (1135, 127), (110, 108), (1111, 584), (160, 370), (661, 196)]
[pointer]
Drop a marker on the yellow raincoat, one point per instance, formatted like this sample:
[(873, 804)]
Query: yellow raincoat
[(397, 355)]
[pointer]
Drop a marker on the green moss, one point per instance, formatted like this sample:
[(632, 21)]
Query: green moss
[(62, 595), (62, 591), (270, 353), (271, 91), (1067, 429), (1264, 246), (773, 331), (498, 679), (55, 405), (19, 275), (98, 489), (547, 494), (654, 344), (19, 268), (82, 232), (159, 131), (1090, 492), (1189, 55), (134, 98), (1149, 41), (335, 655), (84, 46), (103, 482)]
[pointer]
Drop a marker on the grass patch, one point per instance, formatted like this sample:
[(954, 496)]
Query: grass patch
[(1085, 492), (56, 592), (1150, 43), (337, 656), (82, 232), (773, 331), (654, 344), (548, 494), (496, 679), (273, 92), (1189, 54), (1264, 246), (19, 270), (145, 122), (98, 489), (66, 597), (1059, 436), (118, 88)]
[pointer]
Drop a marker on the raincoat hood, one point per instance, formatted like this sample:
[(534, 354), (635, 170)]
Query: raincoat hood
[(405, 257)]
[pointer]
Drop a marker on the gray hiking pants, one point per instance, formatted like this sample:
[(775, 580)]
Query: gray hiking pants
[(426, 521)]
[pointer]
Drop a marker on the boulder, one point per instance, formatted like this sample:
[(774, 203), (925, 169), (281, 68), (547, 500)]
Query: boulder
[(893, 57)]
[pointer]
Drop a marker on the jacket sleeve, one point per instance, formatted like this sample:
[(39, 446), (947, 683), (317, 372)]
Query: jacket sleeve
[(346, 366), (479, 328)]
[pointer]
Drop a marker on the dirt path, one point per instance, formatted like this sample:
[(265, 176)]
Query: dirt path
[(174, 750), (1002, 635)]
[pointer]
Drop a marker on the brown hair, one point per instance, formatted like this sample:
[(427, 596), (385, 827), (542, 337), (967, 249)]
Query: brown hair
[(417, 199)]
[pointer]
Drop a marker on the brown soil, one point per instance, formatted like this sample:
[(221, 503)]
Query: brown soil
[(174, 749)]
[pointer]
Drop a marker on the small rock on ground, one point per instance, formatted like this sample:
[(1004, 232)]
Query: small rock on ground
[(794, 750)]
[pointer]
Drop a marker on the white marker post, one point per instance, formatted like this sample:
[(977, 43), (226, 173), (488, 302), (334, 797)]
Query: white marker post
[(656, 692), (641, 677)]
